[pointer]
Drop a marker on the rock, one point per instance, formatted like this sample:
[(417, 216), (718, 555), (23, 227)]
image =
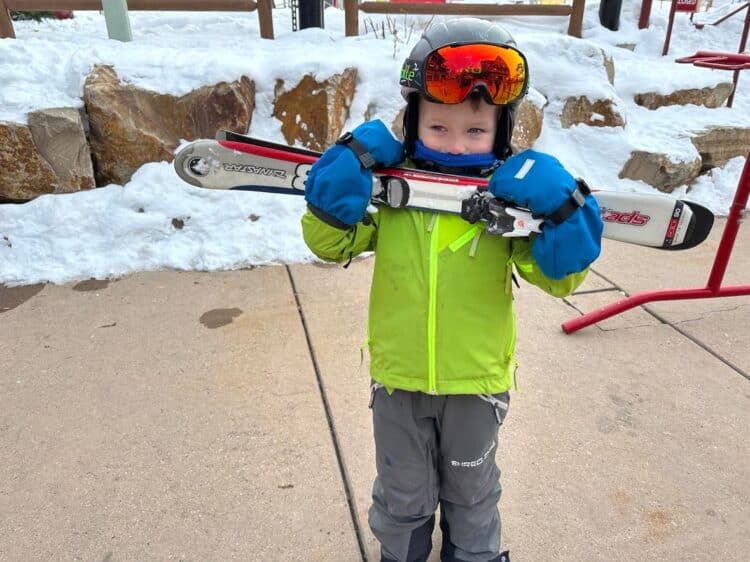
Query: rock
[(609, 67), (60, 138), (24, 173), (397, 125), (397, 128), (589, 58), (313, 113), (659, 170), (49, 155), (130, 126), (709, 97), (599, 113), (529, 120), (717, 145)]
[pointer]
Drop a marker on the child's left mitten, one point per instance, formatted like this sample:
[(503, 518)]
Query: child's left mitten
[(572, 245), (571, 234)]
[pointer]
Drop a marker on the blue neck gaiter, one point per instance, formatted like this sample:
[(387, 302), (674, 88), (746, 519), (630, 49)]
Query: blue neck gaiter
[(485, 160)]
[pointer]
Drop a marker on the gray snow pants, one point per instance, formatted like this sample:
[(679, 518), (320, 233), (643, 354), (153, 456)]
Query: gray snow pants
[(430, 451)]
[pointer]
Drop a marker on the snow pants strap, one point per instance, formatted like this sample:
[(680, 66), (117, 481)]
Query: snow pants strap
[(499, 404)]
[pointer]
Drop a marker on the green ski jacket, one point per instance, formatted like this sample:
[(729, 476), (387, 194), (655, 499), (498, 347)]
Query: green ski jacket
[(441, 307)]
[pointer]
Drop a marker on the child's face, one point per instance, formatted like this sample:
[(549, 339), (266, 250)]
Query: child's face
[(463, 128)]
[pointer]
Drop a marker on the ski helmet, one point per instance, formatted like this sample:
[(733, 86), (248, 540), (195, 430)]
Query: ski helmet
[(454, 33)]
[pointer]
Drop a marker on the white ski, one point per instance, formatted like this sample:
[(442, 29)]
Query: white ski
[(238, 162)]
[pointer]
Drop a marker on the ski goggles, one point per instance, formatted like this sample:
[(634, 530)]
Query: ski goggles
[(450, 73)]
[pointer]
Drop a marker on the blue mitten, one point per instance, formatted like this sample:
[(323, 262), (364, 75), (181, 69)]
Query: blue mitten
[(340, 182), (572, 245), (571, 235), (534, 180)]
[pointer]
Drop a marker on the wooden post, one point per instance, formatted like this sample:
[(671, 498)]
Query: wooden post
[(265, 18), (351, 18), (118, 21), (575, 24), (6, 24)]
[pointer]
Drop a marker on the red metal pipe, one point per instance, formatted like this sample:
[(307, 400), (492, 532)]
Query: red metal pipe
[(638, 299), (730, 230), (645, 14), (668, 38), (743, 40), (712, 289)]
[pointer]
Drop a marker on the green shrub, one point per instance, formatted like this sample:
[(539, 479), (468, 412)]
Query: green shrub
[(38, 16)]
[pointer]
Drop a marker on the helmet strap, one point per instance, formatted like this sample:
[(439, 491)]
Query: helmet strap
[(504, 132), (411, 122)]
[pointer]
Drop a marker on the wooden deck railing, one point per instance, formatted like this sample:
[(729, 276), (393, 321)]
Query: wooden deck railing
[(263, 7), (574, 11)]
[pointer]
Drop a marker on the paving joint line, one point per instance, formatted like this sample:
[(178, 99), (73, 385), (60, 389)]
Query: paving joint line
[(329, 419), (592, 291), (679, 330)]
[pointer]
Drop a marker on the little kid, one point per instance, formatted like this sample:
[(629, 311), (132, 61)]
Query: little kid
[(441, 328)]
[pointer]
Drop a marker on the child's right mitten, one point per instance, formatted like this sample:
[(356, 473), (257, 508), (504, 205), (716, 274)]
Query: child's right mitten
[(340, 182)]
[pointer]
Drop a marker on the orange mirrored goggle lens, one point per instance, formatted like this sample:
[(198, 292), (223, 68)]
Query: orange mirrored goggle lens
[(452, 72)]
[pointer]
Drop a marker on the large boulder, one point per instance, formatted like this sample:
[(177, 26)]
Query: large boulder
[(580, 110), (529, 120), (661, 170), (714, 96), (397, 127), (24, 174), (717, 145), (59, 136), (595, 103), (609, 66), (130, 126), (313, 113), (49, 155)]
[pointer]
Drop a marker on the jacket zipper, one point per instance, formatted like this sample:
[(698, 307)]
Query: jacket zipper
[(432, 305), (432, 228)]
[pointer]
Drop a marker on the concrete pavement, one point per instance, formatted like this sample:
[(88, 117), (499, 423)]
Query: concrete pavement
[(223, 416)]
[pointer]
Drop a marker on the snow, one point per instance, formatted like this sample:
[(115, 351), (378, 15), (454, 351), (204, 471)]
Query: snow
[(156, 221)]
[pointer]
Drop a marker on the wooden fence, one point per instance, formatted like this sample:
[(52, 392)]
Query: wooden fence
[(574, 11), (263, 7), (265, 17)]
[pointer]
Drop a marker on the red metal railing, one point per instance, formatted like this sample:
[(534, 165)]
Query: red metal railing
[(722, 61), (713, 287)]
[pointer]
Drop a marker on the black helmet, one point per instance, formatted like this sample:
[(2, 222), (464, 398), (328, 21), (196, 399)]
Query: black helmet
[(460, 31)]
